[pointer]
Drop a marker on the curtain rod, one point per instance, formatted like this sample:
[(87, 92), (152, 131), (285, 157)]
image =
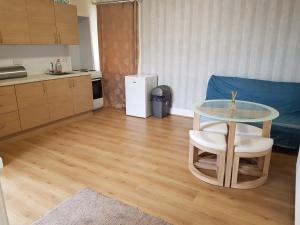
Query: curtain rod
[(113, 1)]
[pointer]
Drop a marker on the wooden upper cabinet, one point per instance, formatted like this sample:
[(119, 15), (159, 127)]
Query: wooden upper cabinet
[(13, 22), (60, 98), (66, 24), (32, 103), (83, 96), (41, 18)]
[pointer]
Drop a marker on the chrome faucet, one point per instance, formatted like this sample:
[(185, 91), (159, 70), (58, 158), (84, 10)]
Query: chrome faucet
[(52, 66)]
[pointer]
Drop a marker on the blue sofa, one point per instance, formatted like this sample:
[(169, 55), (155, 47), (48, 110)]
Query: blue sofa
[(283, 96)]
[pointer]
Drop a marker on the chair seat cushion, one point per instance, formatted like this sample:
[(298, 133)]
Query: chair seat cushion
[(252, 144), (243, 129), (209, 140), (214, 126)]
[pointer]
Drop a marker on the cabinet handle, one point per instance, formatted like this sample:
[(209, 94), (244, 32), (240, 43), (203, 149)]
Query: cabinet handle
[(2, 126)]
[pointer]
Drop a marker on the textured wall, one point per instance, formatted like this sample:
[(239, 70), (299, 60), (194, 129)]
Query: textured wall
[(186, 41)]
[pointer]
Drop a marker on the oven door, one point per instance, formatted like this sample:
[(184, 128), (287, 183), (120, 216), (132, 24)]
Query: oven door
[(97, 88)]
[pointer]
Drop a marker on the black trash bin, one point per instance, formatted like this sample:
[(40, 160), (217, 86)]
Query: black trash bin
[(161, 101)]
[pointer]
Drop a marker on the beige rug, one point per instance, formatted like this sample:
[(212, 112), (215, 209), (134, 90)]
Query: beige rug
[(90, 208)]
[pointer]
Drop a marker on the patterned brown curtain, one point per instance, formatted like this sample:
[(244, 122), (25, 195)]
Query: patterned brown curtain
[(118, 43)]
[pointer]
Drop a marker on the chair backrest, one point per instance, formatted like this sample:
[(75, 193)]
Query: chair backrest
[(283, 96)]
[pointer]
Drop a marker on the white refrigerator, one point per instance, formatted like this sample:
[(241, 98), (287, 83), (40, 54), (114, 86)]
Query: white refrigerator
[(138, 94)]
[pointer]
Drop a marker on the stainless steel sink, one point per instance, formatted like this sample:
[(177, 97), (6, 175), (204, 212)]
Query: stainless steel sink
[(59, 74)]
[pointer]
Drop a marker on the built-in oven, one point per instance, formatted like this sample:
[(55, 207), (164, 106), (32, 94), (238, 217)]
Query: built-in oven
[(97, 92)]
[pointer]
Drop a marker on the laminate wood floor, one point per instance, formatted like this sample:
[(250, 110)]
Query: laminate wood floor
[(140, 162)]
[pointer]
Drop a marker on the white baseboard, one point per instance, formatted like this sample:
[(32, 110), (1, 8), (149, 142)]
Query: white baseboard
[(182, 112)]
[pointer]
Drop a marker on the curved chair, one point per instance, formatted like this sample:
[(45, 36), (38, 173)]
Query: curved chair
[(242, 129), (214, 127), (203, 144), (251, 148)]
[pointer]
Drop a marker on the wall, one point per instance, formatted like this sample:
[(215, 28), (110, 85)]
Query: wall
[(82, 55), (35, 58), (87, 9), (185, 42)]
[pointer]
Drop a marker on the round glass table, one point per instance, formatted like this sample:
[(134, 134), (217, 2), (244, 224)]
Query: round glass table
[(238, 112)]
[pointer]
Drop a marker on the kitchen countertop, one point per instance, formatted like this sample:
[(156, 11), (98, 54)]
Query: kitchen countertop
[(39, 77)]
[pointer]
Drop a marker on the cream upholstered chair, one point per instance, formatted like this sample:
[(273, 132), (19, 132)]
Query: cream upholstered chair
[(214, 127), (203, 145), (242, 129), (251, 148)]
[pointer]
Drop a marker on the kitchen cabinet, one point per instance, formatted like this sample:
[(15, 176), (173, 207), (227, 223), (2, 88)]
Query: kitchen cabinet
[(8, 101), (60, 98), (42, 25), (14, 27), (66, 24), (32, 104), (9, 117), (9, 123), (82, 94), (38, 22)]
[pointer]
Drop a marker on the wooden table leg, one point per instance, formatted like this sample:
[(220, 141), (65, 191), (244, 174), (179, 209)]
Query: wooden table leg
[(229, 154), (266, 132), (196, 122)]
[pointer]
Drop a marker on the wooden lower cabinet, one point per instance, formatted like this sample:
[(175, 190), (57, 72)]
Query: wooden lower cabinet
[(60, 98), (9, 123), (32, 103), (9, 117), (8, 101), (83, 94)]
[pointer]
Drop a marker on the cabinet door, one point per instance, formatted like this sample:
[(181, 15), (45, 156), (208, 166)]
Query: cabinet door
[(32, 102), (8, 102), (13, 22), (60, 98), (66, 24), (41, 18), (9, 123), (83, 96)]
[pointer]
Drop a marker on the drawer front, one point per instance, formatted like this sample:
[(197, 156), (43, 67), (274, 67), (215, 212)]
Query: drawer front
[(9, 123), (8, 102)]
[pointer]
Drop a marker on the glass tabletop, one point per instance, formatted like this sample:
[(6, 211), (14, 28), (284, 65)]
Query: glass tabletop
[(241, 111)]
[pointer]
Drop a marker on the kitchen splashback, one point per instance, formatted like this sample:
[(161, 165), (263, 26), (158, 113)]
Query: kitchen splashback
[(36, 59)]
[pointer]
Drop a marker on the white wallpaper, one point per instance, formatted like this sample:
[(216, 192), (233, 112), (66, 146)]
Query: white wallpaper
[(186, 41)]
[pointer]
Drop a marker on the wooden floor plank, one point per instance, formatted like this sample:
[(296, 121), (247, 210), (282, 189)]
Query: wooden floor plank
[(140, 162)]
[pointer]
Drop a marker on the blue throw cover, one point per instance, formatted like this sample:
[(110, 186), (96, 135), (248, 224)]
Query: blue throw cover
[(283, 96)]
